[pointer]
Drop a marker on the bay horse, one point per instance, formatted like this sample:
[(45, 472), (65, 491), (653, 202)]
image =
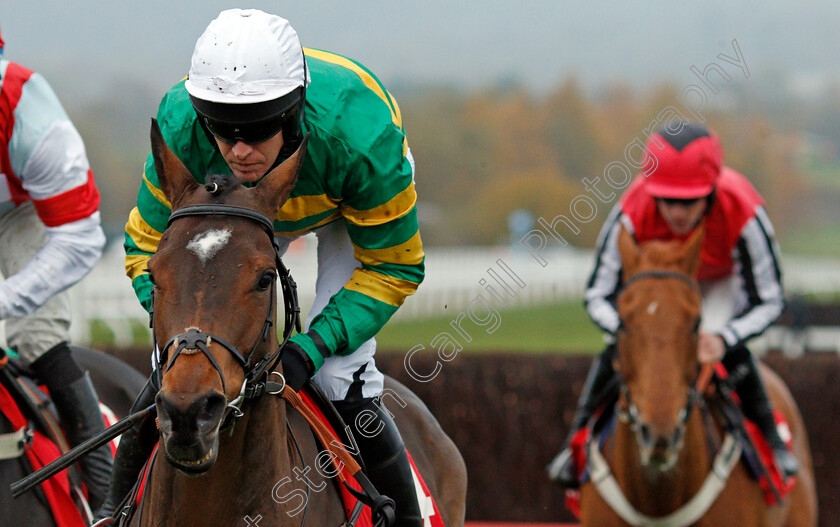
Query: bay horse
[(117, 385), (659, 454), (258, 469)]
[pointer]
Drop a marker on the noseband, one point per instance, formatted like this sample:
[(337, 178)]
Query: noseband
[(195, 341)]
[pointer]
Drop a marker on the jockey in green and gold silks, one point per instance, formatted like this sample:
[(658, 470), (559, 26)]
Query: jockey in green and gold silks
[(350, 174), (251, 96)]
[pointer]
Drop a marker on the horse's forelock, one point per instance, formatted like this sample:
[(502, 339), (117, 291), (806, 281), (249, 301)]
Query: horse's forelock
[(220, 184), (657, 253)]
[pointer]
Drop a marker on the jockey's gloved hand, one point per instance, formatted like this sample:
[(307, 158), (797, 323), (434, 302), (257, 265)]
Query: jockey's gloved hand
[(297, 366)]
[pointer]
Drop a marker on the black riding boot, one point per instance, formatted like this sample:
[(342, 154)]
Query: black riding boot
[(383, 452), (562, 467), (757, 407), (77, 404), (130, 457)]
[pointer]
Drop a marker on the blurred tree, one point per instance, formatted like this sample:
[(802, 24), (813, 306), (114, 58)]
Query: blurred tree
[(482, 154), (766, 157), (451, 158), (573, 131), (542, 192), (116, 134)]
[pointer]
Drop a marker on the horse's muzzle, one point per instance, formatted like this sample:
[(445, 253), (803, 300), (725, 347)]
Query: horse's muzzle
[(658, 450), (189, 428)]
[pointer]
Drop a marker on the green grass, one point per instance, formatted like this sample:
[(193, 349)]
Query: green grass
[(816, 240), (823, 175), (103, 337), (551, 328), (540, 329)]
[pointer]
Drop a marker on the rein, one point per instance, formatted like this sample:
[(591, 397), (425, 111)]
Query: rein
[(194, 341)]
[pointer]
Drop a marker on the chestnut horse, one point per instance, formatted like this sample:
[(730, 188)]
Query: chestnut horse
[(659, 455), (262, 469)]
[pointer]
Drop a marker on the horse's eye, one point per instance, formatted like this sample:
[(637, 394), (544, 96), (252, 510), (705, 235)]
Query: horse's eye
[(265, 281)]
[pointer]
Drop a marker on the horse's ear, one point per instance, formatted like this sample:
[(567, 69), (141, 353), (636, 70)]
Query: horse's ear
[(173, 176), (629, 251), (689, 258), (274, 189)]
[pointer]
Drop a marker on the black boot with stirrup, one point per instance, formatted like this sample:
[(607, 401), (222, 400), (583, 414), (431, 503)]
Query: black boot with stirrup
[(562, 467), (77, 404), (758, 409), (384, 456)]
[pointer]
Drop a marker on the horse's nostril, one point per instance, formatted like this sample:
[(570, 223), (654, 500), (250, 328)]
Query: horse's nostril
[(185, 416), (646, 434), (165, 410), (210, 413)]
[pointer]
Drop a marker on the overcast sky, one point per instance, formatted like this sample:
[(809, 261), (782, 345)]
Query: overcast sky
[(467, 43)]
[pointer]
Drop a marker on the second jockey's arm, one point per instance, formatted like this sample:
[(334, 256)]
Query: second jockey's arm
[(605, 281), (70, 253), (760, 280), (56, 174)]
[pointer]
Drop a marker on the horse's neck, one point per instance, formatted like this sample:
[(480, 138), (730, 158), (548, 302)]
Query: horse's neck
[(656, 493), (255, 453)]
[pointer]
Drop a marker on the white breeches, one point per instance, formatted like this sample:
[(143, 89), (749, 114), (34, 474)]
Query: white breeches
[(22, 234), (354, 374)]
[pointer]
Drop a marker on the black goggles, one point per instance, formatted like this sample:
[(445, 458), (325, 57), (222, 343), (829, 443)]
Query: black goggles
[(249, 133), (680, 201)]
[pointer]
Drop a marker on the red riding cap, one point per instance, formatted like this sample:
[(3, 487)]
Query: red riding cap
[(682, 164)]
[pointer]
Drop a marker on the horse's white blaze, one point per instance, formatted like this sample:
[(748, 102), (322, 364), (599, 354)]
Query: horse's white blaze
[(207, 244), (651, 309)]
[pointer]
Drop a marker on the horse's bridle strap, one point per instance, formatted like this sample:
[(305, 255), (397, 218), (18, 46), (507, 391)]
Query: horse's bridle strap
[(220, 209), (194, 340), (197, 340), (663, 275)]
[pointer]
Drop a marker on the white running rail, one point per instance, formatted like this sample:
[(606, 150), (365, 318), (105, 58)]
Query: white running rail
[(455, 277)]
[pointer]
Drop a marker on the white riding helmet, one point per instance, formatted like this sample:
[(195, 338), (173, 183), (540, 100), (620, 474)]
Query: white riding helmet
[(248, 68), (246, 56)]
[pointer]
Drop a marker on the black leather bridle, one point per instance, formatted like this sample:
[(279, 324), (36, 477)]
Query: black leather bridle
[(631, 415), (193, 340), (662, 274), (256, 375)]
